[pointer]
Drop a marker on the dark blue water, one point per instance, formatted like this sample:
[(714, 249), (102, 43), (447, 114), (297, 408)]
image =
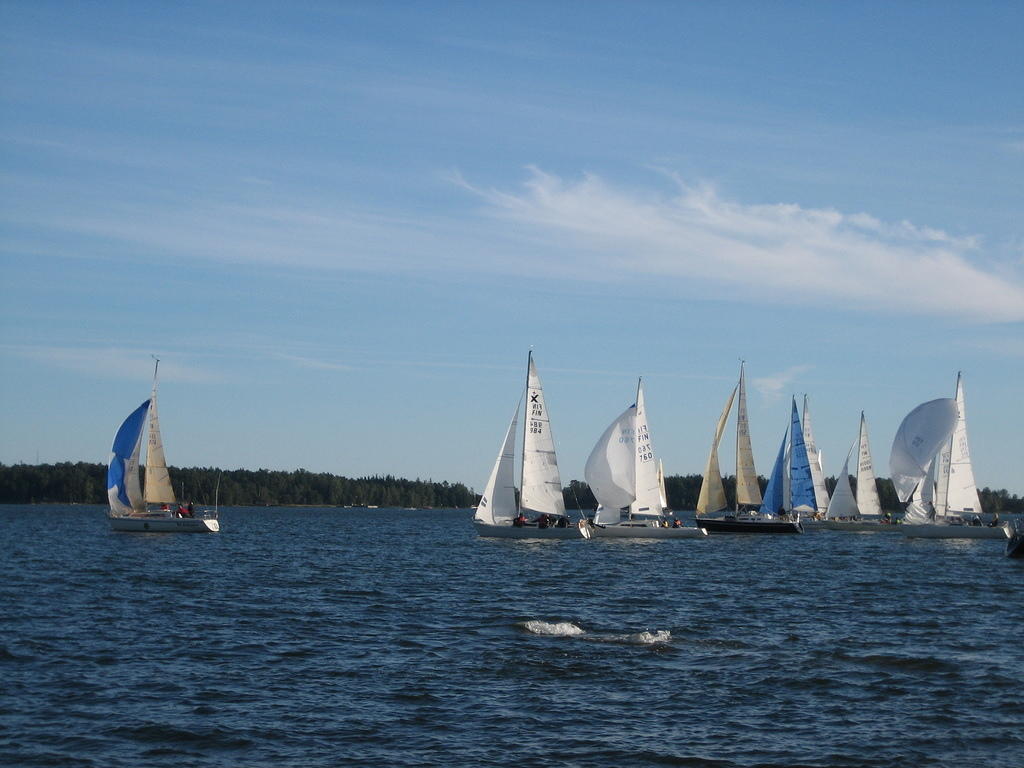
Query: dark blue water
[(397, 638)]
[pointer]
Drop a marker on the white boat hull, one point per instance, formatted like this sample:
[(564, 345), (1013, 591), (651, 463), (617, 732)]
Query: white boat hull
[(943, 531), (163, 524), (509, 531), (850, 525), (627, 531)]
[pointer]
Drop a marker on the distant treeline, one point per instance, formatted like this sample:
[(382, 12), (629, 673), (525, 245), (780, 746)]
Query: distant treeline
[(86, 483)]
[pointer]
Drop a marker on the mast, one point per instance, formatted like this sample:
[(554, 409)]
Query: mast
[(158, 480), (526, 426)]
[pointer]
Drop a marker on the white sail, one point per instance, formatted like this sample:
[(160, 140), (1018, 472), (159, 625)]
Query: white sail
[(158, 481), (498, 503), (542, 485), (647, 487), (611, 468), (867, 489), (918, 439), (661, 485), (962, 492), (712, 494), (814, 459), (747, 489), (843, 503), (922, 502), (942, 478)]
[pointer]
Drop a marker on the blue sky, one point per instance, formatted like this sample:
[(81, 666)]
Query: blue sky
[(343, 225)]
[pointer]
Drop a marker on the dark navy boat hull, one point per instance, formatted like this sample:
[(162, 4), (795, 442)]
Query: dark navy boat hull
[(741, 525)]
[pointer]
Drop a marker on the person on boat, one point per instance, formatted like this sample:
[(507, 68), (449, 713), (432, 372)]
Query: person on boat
[(563, 521), (519, 520), (164, 507), (542, 521), (994, 522), (182, 512), (677, 523), (191, 510)]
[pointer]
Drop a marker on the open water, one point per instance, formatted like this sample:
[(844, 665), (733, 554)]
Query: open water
[(329, 637)]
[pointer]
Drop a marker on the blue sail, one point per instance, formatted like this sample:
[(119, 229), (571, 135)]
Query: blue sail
[(773, 502), (126, 442), (801, 486)]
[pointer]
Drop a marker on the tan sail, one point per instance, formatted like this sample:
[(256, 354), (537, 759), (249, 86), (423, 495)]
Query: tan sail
[(158, 488), (747, 489), (712, 493)]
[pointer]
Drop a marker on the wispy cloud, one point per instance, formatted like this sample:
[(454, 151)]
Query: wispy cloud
[(314, 363), (773, 385), (692, 242), (110, 362), (770, 251)]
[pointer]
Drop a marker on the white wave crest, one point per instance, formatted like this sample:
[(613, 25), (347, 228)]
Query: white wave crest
[(650, 638), (552, 629)]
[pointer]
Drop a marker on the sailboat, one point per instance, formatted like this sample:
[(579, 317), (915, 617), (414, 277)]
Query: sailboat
[(625, 479), (743, 517), (861, 511), (944, 504), (129, 499), (748, 492), (789, 487), (540, 512)]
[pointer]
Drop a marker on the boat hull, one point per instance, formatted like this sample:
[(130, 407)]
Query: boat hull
[(941, 531), (626, 531), (849, 525), (740, 525), (509, 531), (165, 524), (1015, 546)]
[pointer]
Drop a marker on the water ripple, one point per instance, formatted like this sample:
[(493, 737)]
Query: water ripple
[(334, 638)]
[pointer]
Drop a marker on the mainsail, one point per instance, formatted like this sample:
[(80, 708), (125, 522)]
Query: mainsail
[(542, 485), (498, 502), (712, 494), (123, 489), (611, 468), (918, 439), (814, 461), (158, 481), (961, 492), (801, 485), (648, 488), (867, 490), (747, 489)]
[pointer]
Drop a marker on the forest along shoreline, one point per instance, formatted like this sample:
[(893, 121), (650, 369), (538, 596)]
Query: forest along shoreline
[(86, 483)]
